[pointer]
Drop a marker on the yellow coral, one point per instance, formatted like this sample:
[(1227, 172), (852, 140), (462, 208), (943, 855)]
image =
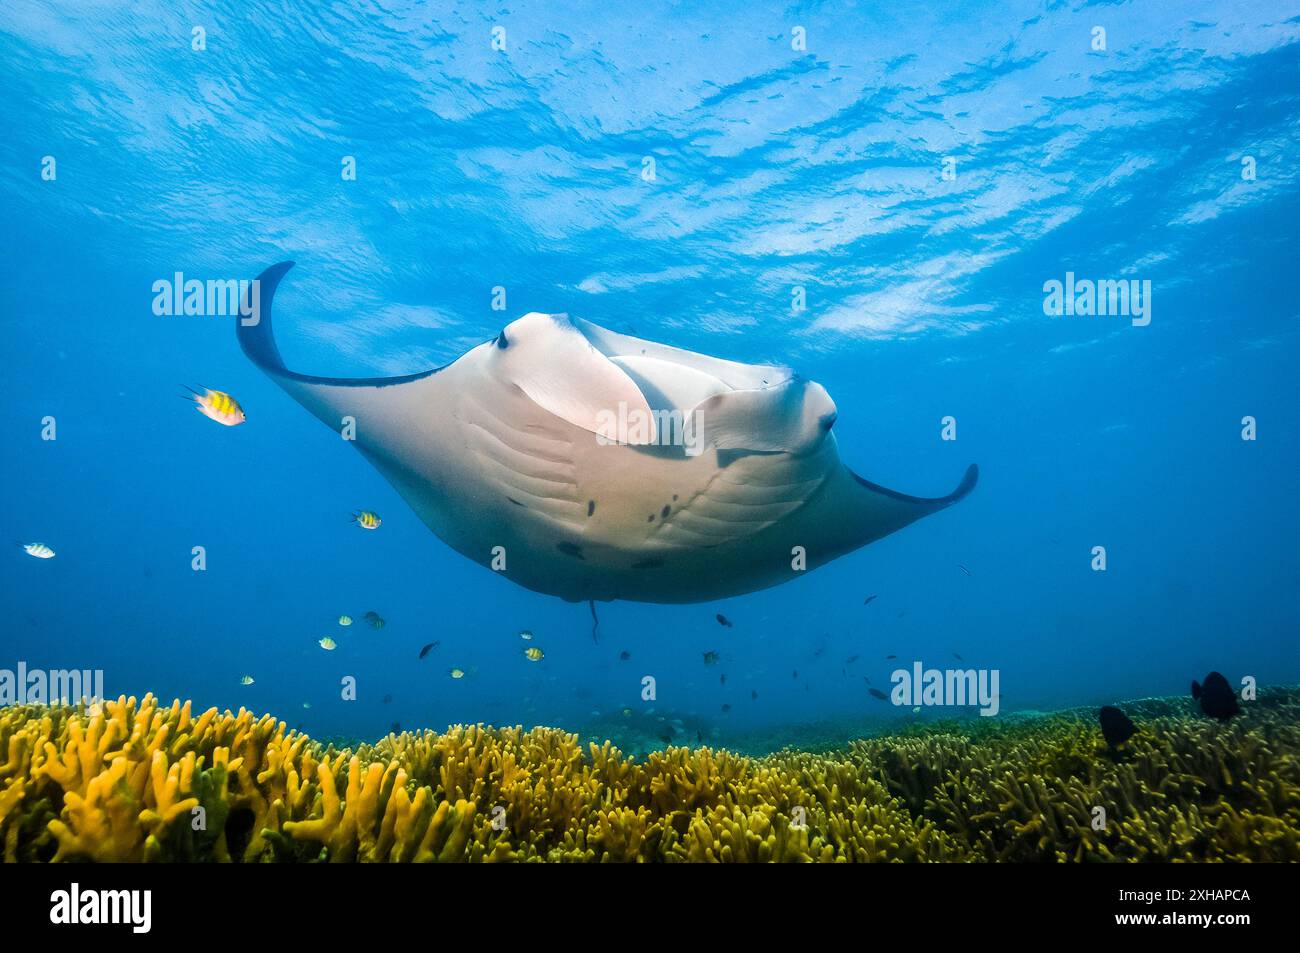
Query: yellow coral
[(133, 780)]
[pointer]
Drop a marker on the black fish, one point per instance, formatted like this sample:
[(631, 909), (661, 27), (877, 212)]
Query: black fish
[(624, 655), (818, 653), (867, 600), (726, 708), (387, 699), (710, 658), (887, 657), (867, 680), (877, 693), (753, 695), (428, 648), (396, 728), (958, 657), (1116, 727), (794, 674), (850, 660), (723, 620), (1216, 696), (722, 679)]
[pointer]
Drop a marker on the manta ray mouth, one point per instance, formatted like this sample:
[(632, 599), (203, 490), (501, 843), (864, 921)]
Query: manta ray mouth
[(670, 378)]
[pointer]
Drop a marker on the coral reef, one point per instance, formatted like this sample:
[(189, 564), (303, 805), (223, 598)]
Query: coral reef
[(131, 780)]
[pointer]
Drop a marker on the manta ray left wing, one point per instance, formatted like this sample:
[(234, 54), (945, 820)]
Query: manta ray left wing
[(329, 398)]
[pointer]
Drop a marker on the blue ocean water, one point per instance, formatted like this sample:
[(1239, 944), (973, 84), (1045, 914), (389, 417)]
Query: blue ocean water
[(916, 172)]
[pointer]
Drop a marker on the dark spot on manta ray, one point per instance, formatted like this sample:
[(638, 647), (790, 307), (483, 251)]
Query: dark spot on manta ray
[(591, 507), (570, 549), (650, 518), (647, 563), (674, 497), (665, 511), (514, 501)]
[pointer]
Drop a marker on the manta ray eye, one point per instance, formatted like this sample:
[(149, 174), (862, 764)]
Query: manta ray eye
[(501, 341)]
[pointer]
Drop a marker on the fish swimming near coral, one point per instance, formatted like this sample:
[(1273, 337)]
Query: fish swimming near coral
[(39, 550), (606, 466), (1116, 727), (1216, 696), (723, 620)]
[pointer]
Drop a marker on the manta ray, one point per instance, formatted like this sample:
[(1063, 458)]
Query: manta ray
[(594, 466)]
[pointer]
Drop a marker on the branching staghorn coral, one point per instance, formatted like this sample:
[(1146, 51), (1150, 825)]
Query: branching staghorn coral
[(131, 780)]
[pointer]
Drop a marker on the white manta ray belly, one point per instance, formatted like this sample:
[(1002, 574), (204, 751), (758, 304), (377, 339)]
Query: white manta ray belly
[(587, 464)]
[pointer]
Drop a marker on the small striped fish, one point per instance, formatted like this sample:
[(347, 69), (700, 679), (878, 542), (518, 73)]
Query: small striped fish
[(39, 550), (219, 406), (366, 519)]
